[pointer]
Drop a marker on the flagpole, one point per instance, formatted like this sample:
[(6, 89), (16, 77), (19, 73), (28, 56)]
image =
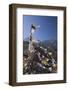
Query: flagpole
[(30, 39), (33, 29)]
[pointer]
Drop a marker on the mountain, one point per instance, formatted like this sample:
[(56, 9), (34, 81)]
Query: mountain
[(26, 39), (50, 44)]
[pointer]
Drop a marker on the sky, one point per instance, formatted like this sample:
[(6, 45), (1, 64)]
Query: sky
[(47, 29)]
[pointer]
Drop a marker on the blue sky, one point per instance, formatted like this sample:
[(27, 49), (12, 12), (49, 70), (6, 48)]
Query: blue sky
[(47, 30)]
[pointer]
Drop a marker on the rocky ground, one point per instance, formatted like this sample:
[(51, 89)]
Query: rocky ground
[(40, 61)]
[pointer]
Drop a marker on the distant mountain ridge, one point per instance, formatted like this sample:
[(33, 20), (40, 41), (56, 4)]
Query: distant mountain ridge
[(26, 39), (51, 41), (45, 43)]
